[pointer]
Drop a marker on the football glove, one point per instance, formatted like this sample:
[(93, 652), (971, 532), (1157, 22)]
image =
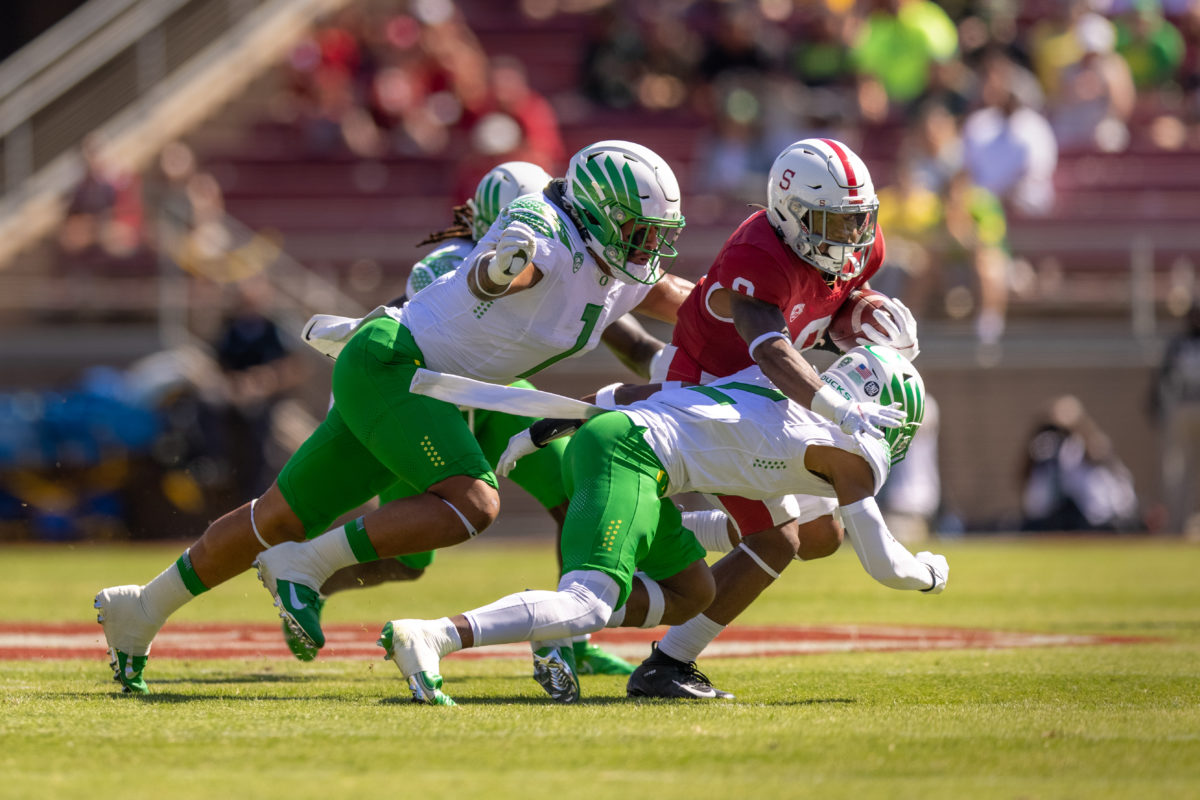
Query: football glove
[(519, 446), (514, 249), (894, 327), (853, 416), (939, 569)]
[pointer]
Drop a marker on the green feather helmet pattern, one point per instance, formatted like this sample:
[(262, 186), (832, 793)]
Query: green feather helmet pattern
[(877, 374), (501, 186), (626, 201)]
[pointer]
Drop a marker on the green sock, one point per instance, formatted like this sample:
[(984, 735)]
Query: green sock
[(360, 543), (190, 579)]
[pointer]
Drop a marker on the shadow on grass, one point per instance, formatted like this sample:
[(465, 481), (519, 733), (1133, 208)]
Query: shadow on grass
[(258, 677), (175, 698), (659, 702), (510, 700)]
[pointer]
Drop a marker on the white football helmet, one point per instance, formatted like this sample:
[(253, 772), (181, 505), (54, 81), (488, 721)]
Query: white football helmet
[(626, 201), (821, 201), (501, 186), (873, 373)]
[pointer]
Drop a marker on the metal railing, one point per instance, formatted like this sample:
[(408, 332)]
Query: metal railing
[(141, 72), (93, 65)]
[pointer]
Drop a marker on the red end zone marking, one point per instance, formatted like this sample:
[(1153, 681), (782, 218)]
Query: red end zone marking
[(85, 640)]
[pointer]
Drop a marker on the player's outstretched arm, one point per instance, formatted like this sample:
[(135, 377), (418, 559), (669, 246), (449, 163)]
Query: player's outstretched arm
[(884, 558), (762, 326)]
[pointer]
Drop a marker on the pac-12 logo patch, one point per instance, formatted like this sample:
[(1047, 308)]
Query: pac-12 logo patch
[(871, 388)]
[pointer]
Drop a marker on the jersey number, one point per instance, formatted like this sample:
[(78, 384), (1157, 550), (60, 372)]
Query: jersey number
[(591, 315)]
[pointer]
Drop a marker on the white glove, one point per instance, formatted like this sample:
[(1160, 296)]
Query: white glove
[(938, 568), (856, 417), (514, 249), (328, 333), (519, 446), (897, 328)]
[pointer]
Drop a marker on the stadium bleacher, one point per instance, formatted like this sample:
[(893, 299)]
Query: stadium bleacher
[(1120, 219)]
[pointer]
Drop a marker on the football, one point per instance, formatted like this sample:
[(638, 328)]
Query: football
[(845, 329)]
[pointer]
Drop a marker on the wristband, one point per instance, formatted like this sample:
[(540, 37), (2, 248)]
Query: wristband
[(826, 401), (764, 337)]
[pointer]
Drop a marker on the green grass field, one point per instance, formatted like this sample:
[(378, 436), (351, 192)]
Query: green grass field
[(1111, 721)]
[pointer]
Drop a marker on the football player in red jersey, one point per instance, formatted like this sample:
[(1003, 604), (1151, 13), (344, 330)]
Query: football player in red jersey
[(770, 294)]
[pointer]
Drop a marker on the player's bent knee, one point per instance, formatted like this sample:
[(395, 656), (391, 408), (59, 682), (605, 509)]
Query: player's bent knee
[(688, 593), (777, 546), (273, 519), (819, 539), (476, 502)]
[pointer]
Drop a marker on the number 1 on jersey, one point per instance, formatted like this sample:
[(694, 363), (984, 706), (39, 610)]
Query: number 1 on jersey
[(591, 315)]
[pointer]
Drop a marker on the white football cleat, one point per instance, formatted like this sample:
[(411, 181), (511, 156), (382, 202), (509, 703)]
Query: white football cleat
[(408, 644), (129, 631)]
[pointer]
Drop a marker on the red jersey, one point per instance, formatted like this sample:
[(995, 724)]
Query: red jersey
[(757, 263)]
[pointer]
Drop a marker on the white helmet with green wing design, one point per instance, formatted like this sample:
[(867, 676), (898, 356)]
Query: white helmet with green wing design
[(502, 185), (626, 201), (876, 374)]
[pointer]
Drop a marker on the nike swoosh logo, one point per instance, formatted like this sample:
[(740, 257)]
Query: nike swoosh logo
[(296, 604), (696, 692)]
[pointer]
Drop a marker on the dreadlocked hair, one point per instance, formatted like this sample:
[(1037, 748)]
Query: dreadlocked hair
[(460, 229)]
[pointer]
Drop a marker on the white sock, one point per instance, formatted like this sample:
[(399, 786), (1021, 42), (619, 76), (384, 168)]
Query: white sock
[(710, 529), (328, 553), (165, 595), (685, 642), (445, 636)]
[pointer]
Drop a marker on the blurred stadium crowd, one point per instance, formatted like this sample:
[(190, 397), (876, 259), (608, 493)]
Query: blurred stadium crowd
[(978, 120)]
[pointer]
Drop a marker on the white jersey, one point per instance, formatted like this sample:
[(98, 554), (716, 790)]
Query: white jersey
[(739, 435), (515, 336)]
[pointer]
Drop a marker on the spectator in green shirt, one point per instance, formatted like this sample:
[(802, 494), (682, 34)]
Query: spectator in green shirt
[(899, 43)]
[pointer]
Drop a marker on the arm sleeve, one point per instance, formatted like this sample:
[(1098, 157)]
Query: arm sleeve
[(884, 559)]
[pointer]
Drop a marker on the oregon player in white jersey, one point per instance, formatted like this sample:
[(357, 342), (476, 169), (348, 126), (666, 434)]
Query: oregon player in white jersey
[(501, 185), (559, 317), (541, 476), (623, 202), (737, 435)]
